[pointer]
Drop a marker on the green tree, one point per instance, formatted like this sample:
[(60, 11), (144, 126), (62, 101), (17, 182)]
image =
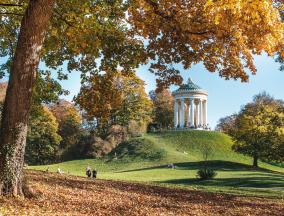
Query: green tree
[(163, 107), (43, 140), (259, 129)]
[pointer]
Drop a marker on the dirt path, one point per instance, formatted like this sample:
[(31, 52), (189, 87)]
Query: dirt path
[(67, 195)]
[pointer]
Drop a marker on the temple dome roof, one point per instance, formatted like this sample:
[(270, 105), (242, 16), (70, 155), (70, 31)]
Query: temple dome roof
[(189, 87)]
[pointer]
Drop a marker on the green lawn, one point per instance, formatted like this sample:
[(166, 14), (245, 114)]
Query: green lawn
[(145, 160)]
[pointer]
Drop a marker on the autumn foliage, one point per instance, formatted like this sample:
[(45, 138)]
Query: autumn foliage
[(115, 99), (163, 105), (224, 35), (66, 195)]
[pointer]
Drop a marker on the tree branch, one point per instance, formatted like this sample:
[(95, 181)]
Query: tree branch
[(11, 5), (11, 48), (8, 13), (157, 11), (63, 19)]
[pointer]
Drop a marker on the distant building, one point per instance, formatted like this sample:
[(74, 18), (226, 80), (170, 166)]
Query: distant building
[(190, 106)]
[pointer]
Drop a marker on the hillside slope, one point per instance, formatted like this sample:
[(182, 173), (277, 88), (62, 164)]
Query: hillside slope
[(145, 159), (191, 146)]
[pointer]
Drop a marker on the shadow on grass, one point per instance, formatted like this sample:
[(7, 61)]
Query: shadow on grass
[(259, 182), (217, 165), (257, 178)]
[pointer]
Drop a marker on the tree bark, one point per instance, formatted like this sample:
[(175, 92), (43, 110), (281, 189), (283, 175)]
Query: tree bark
[(255, 161), (17, 103)]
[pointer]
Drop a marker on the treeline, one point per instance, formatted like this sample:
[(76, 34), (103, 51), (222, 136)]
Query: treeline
[(59, 133), (107, 111)]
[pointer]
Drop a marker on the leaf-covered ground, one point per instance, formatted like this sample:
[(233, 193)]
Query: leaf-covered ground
[(69, 195)]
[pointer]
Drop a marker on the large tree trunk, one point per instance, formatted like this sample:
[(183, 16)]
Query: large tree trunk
[(17, 104)]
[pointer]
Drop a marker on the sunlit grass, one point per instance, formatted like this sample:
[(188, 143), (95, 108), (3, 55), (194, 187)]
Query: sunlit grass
[(235, 173)]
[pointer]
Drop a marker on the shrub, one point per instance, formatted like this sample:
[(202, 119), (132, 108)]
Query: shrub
[(136, 129), (205, 174), (98, 147)]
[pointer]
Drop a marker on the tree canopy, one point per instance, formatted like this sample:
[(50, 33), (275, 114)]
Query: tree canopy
[(69, 125), (43, 140), (259, 129), (224, 35), (89, 36), (93, 36), (115, 100), (226, 124), (163, 105)]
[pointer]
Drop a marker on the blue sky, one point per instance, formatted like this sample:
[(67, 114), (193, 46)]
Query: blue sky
[(225, 96)]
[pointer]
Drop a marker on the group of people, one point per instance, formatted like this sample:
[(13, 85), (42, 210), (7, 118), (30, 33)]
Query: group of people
[(172, 166), (90, 173)]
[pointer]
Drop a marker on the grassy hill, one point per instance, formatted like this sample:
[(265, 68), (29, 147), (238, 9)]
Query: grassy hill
[(145, 159)]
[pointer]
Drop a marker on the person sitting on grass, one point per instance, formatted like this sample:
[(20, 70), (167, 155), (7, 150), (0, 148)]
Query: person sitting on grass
[(88, 171), (94, 173), (172, 166), (59, 171)]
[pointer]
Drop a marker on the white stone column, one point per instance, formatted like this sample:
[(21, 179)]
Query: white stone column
[(197, 113), (200, 112), (176, 113), (191, 101), (205, 112), (181, 116), (188, 114)]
